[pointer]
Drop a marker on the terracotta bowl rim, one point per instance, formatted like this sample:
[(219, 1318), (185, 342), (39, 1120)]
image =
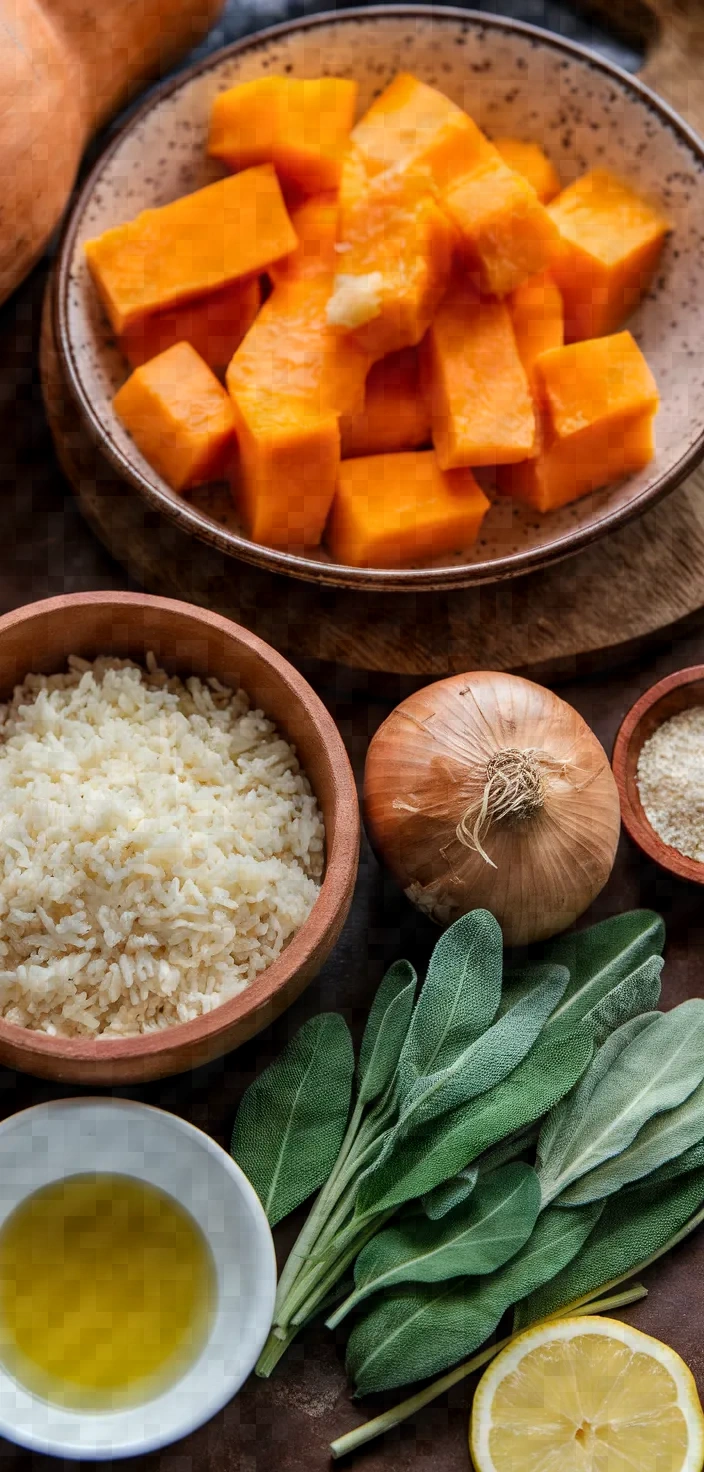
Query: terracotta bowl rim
[(338, 879), (232, 544), (634, 819)]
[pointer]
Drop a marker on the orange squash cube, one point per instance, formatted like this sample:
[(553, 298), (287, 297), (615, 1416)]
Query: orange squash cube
[(611, 241), (565, 470), (481, 407), (193, 246), (302, 127), (419, 128), (315, 224), (506, 232), (214, 325), (394, 266), (528, 160), (179, 417), (538, 319), (354, 183), (392, 510), (395, 415)]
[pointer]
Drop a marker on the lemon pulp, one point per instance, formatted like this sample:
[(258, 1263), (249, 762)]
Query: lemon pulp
[(106, 1290)]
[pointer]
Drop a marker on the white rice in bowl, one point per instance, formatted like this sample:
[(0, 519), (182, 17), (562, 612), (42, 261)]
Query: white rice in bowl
[(159, 846)]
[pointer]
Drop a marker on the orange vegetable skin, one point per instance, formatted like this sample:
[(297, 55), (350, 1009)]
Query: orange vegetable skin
[(599, 400), (391, 510), (395, 266), (214, 326), (301, 126), (179, 416), (418, 127), (315, 224), (290, 379), (481, 407), (610, 246), (196, 245), (538, 318), (506, 233), (529, 160), (395, 414)]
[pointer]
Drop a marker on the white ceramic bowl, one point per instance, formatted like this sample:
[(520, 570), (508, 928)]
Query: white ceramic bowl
[(74, 1136)]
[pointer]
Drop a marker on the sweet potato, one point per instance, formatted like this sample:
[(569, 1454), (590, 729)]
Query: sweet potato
[(391, 510), (179, 417), (214, 325), (300, 126), (529, 160), (193, 246), (395, 414), (506, 232)]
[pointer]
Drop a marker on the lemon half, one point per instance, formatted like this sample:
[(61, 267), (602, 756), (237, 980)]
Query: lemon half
[(587, 1395)]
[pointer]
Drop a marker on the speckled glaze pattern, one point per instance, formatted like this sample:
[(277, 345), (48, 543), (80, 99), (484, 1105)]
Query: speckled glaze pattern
[(512, 80)]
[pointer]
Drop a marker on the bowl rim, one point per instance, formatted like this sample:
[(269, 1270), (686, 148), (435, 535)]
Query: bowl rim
[(634, 819), (339, 876), (233, 544), (199, 1139)]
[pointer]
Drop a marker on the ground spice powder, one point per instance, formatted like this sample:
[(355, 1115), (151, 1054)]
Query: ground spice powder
[(671, 782)]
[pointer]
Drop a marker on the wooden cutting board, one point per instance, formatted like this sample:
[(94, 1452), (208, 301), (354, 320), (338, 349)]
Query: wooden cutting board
[(606, 600)]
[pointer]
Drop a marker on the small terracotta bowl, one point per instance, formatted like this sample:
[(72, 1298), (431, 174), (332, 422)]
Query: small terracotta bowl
[(675, 693), (191, 641)]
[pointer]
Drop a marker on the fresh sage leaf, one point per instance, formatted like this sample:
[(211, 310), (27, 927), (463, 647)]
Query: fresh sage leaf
[(421, 1329), (445, 1197), (519, 983), (414, 1166), (459, 997), (291, 1120), (486, 1062), (663, 1138), (515, 1147), (633, 1226), (475, 1238), (599, 959), (386, 1031), (656, 1071), (636, 994), (680, 1165)]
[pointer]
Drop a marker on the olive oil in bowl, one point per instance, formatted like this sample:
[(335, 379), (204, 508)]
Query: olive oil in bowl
[(107, 1289)]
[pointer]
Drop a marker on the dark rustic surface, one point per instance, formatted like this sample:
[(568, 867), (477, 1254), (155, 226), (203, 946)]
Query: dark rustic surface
[(288, 1421)]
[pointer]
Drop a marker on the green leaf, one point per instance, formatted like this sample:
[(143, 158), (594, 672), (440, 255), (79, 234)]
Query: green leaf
[(520, 982), (515, 1147), (634, 1225), (637, 993), (659, 1067), (291, 1121), (486, 1062), (661, 1141), (692, 1159), (459, 998), (450, 1194), (386, 1031), (414, 1166), (476, 1238), (599, 959), (419, 1330)]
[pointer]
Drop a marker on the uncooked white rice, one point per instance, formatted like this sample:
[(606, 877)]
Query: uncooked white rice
[(159, 846)]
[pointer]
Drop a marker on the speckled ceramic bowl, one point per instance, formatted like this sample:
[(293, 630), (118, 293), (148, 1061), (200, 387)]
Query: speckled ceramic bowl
[(513, 79)]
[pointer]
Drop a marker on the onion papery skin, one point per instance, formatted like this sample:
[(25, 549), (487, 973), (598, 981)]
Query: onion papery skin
[(426, 766)]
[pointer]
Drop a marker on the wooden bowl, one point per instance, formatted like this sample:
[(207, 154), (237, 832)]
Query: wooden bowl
[(675, 693), (515, 80), (190, 641)]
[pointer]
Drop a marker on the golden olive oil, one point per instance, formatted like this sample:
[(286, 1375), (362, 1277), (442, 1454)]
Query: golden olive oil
[(106, 1291)]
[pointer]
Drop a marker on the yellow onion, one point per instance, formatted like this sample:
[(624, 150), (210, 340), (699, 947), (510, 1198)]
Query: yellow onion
[(488, 790)]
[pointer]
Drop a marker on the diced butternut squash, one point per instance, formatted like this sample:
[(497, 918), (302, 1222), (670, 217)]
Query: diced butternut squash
[(315, 224), (506, 232), (392, 510), (179, 417), (529, 160), (354, 183), (284, 482), (214, 325), (538, 318), (611, 241), (599, 400), (290, 379), (394, 266), (481, 408), (302, 127), (193, 246), (417, 127), (395, 414)]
